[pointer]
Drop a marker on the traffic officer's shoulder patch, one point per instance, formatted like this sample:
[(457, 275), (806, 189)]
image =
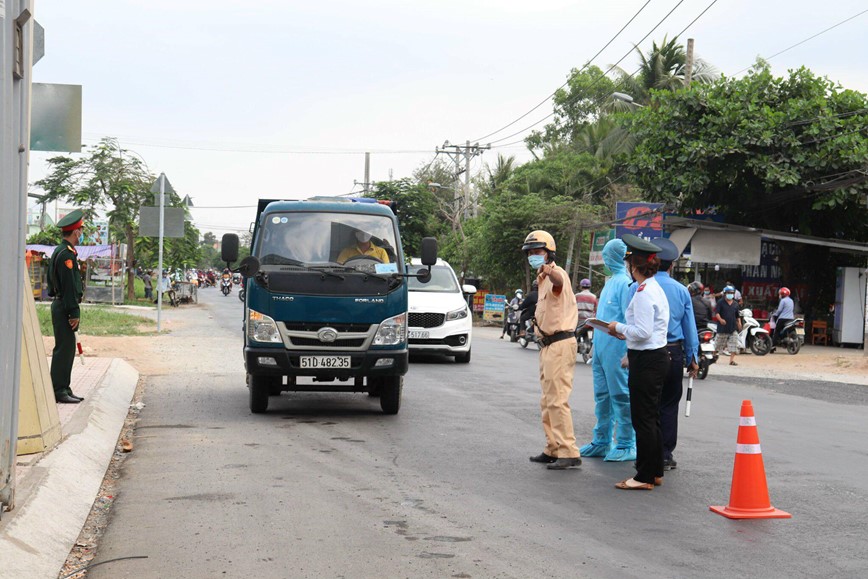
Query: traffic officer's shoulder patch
[(641, 287), (68, 263)]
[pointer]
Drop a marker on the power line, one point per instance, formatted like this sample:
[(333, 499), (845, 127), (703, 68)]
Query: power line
[(587, 64), (599, 78), (692, 22), (807, 39)]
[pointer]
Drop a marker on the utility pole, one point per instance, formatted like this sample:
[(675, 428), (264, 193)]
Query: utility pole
[(367, 173), (688, 67), (461, 156)]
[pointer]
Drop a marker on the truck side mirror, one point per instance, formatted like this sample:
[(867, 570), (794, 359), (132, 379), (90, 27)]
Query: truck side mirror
[(229, 248), (424, 275), (249, 266), (429, 251)]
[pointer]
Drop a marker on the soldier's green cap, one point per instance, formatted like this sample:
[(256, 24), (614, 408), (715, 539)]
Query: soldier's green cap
[(639, 246), (71, 220)]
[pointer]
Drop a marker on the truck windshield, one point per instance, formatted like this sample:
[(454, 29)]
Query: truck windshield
[(346, 241), (442, 280)]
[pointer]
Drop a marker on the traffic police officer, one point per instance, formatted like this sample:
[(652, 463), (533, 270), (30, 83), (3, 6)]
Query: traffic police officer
[(682, 341), (555, 318), (64, 284), (645, 332)]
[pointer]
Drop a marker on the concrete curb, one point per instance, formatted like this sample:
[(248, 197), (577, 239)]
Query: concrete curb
[(39, 538)]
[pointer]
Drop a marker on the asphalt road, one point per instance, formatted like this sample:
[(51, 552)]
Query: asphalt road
[(325, 485)]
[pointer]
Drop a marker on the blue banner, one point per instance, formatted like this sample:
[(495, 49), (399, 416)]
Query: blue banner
[(637, 221)]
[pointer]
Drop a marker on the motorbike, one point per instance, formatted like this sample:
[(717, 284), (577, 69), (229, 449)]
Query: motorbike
[(529, 336), (226, 285), (512, 324), (793, 335), (753, 337), (585, 340), (241, 292), (707, 352)]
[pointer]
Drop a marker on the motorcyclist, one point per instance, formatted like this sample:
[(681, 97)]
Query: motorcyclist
[(510, 315), (783, 315), (701, 310), (528, 308), (586, 301)]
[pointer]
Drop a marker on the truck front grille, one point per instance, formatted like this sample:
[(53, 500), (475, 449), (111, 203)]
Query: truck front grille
[(339, 343)]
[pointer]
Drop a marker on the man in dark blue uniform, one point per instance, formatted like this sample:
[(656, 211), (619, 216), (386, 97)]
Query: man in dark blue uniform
[(64, 284), (681, 341)]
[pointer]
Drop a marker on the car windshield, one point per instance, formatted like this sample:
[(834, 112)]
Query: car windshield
[(442, 280), (344, 241)]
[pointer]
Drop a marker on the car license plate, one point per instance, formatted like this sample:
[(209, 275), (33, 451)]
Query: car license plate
[(317, 362), (418, 335)]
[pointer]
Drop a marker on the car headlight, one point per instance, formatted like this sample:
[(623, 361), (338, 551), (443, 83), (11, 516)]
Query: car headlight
[(261, 328), (456, 314), (392, 331)]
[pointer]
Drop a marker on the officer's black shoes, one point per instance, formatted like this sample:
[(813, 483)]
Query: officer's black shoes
[(564, 464), (76, 396), (67, 399), (543, 458), (669, 463)]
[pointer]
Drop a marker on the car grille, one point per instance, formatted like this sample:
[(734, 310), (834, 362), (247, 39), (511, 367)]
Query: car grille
[(426, 320), (339, 343), (316, 326)]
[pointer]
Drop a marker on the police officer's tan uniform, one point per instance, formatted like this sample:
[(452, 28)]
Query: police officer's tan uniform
[(557, 313)]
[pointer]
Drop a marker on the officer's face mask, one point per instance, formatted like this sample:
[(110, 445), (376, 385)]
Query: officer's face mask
[(536, 261)]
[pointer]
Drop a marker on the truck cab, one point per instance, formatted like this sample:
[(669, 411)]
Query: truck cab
[(326, 298)]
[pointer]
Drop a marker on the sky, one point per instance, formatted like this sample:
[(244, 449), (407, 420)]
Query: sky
[(234, 101)]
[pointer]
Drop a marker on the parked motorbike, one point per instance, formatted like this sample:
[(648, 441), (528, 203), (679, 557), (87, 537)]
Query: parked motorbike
[(226, 285), (529, 336), (753, 337), (585, 340), (707, 350), (792, 336)]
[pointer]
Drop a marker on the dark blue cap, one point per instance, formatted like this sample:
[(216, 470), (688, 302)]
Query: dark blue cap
[(668, 250)]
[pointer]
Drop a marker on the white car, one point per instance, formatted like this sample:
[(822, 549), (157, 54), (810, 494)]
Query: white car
[(440, 321)]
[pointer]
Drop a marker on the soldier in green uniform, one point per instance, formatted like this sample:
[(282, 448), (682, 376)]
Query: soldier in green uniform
[(64, 284)]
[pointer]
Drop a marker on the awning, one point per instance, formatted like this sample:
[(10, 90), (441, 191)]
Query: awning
[(85, 252)]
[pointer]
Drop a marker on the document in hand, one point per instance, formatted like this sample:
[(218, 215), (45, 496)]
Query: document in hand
[(598, 323)]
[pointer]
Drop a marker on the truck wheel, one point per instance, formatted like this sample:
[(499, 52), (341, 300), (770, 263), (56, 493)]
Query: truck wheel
[(390, 393), (260, 388), (463, 358)]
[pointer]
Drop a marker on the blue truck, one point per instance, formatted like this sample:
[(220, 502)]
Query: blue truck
[(325, 307)]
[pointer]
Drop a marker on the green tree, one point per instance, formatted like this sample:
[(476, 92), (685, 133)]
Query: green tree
[(51, 235), (416, 209), (104, 178)]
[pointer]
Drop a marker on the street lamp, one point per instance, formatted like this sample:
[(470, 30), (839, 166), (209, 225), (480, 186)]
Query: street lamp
[(620, 97)]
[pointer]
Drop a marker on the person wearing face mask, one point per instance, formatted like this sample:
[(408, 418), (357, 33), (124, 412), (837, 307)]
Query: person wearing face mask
[(729, 324), (363, 247), (611, 394), (64, 285), (555, 318), (645, 329)]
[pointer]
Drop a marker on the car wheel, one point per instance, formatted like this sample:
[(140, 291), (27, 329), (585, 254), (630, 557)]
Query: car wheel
[(463, 358), (260, 388), (390, 393)]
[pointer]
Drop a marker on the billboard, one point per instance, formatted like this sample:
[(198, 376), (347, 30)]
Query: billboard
[(636, 219), (493, 308), (598, 242)]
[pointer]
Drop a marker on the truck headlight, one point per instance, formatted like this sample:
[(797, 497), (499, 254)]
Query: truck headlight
[(261, 328), (392, 331), (456, 314)]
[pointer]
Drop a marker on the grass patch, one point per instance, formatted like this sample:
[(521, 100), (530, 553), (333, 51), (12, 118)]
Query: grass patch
[(100, 321)]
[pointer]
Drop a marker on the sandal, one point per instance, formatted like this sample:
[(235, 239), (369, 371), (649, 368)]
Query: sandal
[(733, 364), (640, 486), (658, 481)]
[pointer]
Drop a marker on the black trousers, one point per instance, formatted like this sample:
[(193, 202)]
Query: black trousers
[(63, 355), (648, 370), (779, 326), (670, 398)]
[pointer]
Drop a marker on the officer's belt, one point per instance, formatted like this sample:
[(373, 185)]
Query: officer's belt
[(556, 337)]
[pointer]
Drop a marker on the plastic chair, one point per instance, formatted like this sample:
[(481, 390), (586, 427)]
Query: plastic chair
[(819, 332)]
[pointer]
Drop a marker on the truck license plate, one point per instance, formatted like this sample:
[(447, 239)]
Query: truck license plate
[(418, 335), (316, 362)]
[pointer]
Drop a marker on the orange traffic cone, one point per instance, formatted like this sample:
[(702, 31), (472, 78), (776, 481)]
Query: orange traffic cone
[(749, 495)]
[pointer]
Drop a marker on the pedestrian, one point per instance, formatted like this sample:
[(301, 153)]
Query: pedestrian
[(510, 311), (586, 301), (611, 394), (682, 343), (556, 318), (149, 285), (648, 360), (702, 312), (783, 315), (708, 297), (729, 324), (734, 291), (64, 285)]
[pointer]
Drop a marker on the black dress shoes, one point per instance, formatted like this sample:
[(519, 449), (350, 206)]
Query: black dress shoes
[(543, 458), (80, 398), (669, 463), (564, 464), (67, 399)]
